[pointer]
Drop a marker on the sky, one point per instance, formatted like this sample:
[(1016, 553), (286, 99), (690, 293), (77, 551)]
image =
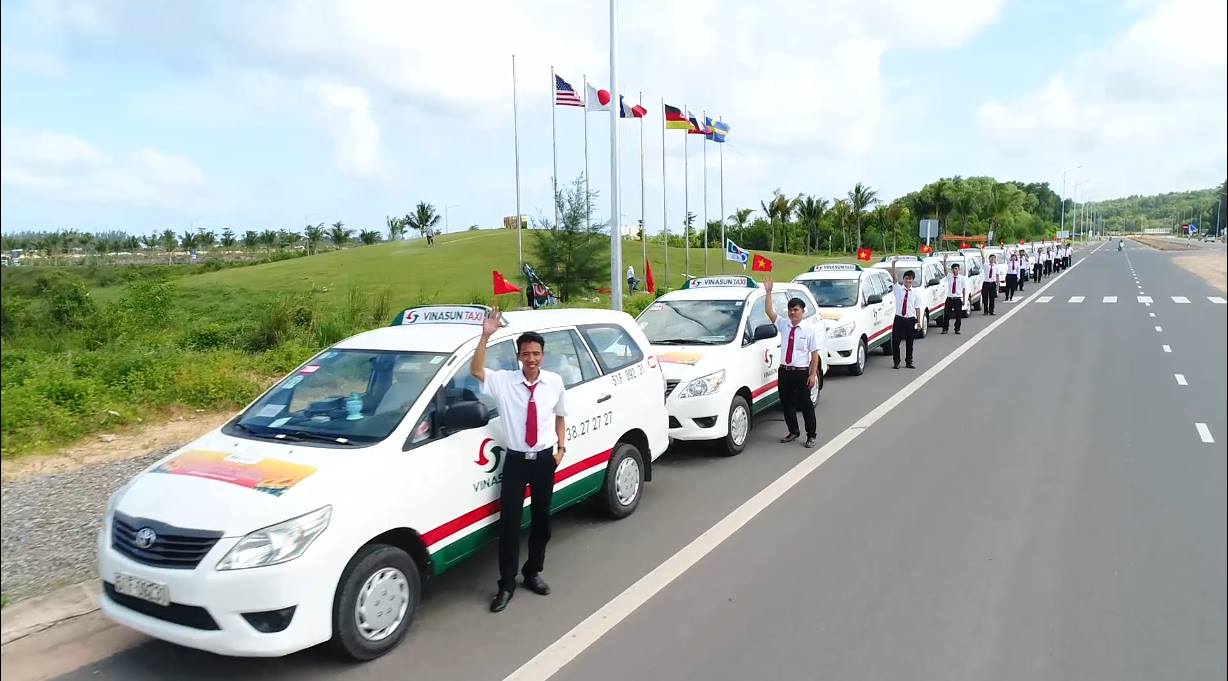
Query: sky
[(118, 114)]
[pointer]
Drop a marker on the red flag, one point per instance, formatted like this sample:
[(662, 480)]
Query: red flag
[(652, 285), (501, 285), (865, 254), (761, 264), (1021, 242), (964, 245), (927, 249)]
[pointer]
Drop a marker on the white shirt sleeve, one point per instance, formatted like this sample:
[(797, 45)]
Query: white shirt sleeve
[(560, 407), (493, 384)]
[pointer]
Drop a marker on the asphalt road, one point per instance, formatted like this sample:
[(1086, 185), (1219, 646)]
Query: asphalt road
[(1044, 508)]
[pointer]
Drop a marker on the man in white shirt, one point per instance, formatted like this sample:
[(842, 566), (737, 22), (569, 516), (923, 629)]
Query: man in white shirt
[(1012, 277), (1038, 265), (1048, 260), (1068, 255), (631, 282), (989, 287), (532, 406), (799, 365), (1024, 267), (956, 287), (907, 317)]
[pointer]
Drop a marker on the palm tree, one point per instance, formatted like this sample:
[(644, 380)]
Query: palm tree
[(228, 238), (149, 241), (964, 203), (368, 236), (268, 238), (169, 241), (780, 207), (1004, 199), (339, 235), (840, 213), (895, 212), (740, 219), (187, 241), (810, 210), (314, 234), (251, 240), (423, 218), (396, 227), (861, 197)]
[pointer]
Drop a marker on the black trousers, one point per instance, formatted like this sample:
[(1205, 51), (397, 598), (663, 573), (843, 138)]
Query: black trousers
[(954, 309), (1023, 276), (1065, 262), (1036, 272), (989, 295), (903, 329), (1048, 267), (794, 396), (1012, 282), (538, 474)]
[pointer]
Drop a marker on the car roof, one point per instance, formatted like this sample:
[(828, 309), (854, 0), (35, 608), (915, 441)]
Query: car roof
[(829, 274), (451, 337), (711, 293)]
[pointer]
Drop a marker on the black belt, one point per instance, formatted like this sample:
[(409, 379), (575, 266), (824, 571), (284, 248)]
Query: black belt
[(540, 452), (785, 367)]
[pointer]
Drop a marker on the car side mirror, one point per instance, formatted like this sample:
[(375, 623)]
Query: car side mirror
[(933, 282), (975, 271), (764, 332), (465, 415), (874, 298)]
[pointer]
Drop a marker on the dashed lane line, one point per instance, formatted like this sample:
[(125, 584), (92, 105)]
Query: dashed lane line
[(1167, 348), (1180, 379), (1204, 433)]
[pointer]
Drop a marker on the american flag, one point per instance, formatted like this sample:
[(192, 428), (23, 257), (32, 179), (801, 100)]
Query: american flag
[(565, 94)]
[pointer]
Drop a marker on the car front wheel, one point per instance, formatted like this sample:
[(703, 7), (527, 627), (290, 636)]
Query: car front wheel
[(739, 427), (376, 598)]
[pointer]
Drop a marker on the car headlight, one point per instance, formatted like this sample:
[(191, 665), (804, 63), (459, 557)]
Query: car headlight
[(277, 543), (841, 331), (704, 385)]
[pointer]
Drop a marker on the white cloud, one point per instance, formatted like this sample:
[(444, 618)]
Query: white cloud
[(355, 131), (66, 169)]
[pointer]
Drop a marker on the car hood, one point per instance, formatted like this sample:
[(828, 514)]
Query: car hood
[(681, 362), (236, 485)]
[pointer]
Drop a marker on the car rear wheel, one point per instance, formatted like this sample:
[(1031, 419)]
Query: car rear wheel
[(858, 367), (376, 598), (739, 427), (624, 481)]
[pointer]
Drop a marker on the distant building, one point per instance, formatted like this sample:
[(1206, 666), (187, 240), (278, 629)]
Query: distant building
[(509, 222)]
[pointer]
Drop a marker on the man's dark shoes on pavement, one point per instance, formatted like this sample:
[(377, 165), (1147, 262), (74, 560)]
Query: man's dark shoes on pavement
[(956, 332), (909, 366), (500, 601), (790, 437), (537, 585), (895, 366), (809, 442), (944, 332)]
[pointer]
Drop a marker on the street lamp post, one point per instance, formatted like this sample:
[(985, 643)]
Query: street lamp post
[(445, 216), (1064, 171)]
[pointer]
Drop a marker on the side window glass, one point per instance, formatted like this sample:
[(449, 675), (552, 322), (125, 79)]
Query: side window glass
[(756, 317), (568, 358), (614, 347), (463, 387)]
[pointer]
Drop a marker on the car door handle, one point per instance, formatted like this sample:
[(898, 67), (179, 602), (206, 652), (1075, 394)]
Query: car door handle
[(603, 398)]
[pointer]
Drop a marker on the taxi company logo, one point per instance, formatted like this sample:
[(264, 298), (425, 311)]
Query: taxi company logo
[(145, 538), (767, 357), (448, 316), (489, 464)]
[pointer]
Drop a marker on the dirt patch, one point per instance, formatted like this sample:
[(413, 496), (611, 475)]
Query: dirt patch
[(1165, 244), (106, 448), (1212, 267)]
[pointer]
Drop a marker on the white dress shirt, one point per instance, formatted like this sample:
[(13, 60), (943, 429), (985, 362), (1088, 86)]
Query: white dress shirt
[(630, 272), (914, 301), (1048, 255), (1012, 267), (955, 286), (804, 343), (991, 272), (509, 388)]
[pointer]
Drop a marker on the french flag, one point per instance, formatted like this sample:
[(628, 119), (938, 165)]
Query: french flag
[(630, 110)]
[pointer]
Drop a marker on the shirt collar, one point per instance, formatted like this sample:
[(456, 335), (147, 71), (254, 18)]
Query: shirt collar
[(520, 376)]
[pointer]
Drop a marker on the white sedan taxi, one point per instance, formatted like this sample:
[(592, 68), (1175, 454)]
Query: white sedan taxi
[(318, 512), (858, 306), (720, 354)]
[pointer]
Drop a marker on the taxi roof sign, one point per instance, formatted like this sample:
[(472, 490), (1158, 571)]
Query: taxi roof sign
[(443, 314), (721, 282), (836, 267)]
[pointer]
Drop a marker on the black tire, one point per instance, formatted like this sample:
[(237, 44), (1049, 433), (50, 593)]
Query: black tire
[(347, 639), (976, 306), (609, 500), (728, 445), (858, 367)]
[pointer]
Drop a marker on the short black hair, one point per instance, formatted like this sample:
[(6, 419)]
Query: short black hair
[(530, 337), (797, 302), (910, 273), (954, 265)]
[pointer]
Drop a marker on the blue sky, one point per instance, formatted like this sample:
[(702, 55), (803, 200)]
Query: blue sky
[(139, 116)]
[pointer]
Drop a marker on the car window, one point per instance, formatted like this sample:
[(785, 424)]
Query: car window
[(884, 282), (463, 387), (566, 356), (614, 347), (833, 292), (757, 316)]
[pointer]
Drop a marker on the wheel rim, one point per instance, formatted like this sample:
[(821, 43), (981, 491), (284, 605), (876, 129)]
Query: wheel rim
[(739, 425), (627, 481), (861, 356), (382, 603)]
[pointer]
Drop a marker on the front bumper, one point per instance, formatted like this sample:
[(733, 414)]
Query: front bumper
[(698, 418), (842, 351)]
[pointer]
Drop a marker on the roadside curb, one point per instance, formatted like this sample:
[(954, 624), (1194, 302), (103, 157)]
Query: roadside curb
[(43, 612)]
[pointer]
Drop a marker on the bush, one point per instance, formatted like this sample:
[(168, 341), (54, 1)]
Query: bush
[(208, 337), (66, 300), (635, 304)]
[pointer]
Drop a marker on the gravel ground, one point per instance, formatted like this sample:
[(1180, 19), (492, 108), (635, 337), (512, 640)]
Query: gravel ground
[(49, 525)]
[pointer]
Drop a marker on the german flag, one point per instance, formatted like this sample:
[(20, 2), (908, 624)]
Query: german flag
[(674, 120)]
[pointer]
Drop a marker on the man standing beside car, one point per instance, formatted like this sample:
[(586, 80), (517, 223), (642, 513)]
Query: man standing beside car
[(907, 317), (956, 287), (799, 365), (532, 404), (989, 288)]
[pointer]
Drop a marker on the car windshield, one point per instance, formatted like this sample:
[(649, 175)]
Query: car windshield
[(343, 396), (833, 292), (696, 322)]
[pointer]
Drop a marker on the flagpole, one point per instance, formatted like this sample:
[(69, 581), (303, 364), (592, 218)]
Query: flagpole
[(616, 254), (686, 197), (516, 139), (720, 150), (554, 150), (588, 208), (664, 195), (704, 143), (643, 226)]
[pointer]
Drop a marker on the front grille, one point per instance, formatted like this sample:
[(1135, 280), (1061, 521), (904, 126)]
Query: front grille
[(192, 616), (173, 547), (669, 387)]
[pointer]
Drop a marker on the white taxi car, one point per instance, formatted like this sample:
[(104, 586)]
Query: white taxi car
[(317, 513), (969, 266), (927, 285), (720, 355), (859, 308)]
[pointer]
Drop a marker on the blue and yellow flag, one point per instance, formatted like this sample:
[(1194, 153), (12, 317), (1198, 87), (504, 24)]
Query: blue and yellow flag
[(716, 130)]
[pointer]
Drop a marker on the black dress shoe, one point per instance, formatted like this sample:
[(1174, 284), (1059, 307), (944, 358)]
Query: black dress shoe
[(537, 585), (909, 366), (895, 366), (500, 601), (809, 442), (944, 332), (956, 333), (790, 437)]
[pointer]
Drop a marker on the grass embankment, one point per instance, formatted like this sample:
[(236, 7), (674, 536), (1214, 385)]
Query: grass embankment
[(77, 360)]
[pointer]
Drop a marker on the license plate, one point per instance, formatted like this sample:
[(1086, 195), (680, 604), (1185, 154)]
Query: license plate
[(154, 592)]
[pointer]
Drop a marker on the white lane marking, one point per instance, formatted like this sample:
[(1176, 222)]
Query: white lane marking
[(1151, 314), (1167, 348), (1044, 299), (1110, 299), (1075, 299), (1181, 300), (1217, 300), (1204, 433), (1180, 379), (1144, 299), (1159, 328), (571, 644)]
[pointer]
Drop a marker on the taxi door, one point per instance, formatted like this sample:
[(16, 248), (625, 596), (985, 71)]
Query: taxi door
[(591, 403), (764, 355)]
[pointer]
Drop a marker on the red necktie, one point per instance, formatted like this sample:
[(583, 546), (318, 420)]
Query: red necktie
[(952, 285), (904, 311), (789, 349), (530, 424)]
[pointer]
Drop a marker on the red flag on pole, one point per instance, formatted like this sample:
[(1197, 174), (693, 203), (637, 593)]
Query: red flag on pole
[(761, 264), (648, 281), (865, 254), (964, 245), (927, 249), (502, 285)]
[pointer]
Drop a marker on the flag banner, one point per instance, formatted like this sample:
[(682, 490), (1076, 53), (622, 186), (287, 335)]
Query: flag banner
[(696, 128), (736, 253), (964, 245), (927, 249), (649, 283), (565, 94), (501, 285), (717, 130), (865, 254), (761, 264), (674, 120), (626, 110), (597, 100)]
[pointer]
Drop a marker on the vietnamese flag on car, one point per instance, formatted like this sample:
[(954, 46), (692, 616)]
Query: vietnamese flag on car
[(865, 254), (927, 249), (964, 245), (502, 285), (761, 264)]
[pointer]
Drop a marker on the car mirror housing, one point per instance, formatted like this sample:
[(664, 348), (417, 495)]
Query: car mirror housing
[(465, 415), (764, 331)]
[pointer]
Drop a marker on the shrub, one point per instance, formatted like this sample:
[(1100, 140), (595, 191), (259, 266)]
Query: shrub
[(66, 300), (635, 304), (207, 337)]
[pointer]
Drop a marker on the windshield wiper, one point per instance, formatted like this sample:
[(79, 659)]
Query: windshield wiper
[(685, 341), (300, 435)]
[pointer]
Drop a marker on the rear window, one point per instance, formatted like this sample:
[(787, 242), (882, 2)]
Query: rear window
[(614, 347)]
